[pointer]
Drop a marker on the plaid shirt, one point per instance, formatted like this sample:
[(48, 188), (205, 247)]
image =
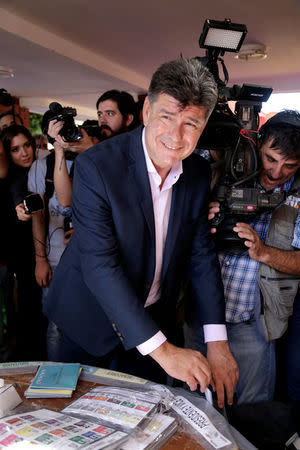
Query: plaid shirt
[(239, 272)]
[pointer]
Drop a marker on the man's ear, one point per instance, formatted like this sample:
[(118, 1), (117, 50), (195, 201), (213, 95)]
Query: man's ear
[(146, 111), (129, 120)]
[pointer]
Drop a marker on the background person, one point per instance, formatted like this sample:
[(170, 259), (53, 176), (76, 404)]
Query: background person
[(261, 284), (30, 324)]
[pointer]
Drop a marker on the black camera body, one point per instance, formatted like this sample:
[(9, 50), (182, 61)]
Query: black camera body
[(68, 225), (69, 132), (33, 203), (5, 98)]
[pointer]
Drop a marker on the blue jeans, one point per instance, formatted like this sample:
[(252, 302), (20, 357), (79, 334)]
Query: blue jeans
[(293, 354), (255, 358), (53, 334)]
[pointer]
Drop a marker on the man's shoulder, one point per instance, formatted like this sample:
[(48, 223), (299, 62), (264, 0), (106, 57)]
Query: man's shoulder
[(114, 148), (196, 164)]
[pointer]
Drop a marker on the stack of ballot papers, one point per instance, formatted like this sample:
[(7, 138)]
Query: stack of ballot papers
[(55, 380)]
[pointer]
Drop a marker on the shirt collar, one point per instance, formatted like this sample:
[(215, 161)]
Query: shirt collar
[(174, 174)]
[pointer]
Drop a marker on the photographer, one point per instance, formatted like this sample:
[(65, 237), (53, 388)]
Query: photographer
[(260, 284)]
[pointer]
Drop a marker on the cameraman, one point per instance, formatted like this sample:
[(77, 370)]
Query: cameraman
[(253, 300)]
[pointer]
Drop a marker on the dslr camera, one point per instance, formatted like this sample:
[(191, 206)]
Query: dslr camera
[(233, 137), (70, 132)]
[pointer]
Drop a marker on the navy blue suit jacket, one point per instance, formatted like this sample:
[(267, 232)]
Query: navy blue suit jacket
[(99, 289)]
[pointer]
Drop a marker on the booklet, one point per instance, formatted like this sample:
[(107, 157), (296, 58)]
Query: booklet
[(56, 376), (55, 380)]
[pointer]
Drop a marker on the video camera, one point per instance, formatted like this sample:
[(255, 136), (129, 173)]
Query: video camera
[(70, 132), (233, 135)]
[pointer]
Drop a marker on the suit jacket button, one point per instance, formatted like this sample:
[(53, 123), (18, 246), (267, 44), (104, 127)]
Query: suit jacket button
[(147, 286)]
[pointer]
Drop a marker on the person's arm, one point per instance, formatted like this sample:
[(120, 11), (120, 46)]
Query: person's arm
[(62, 181), (281, 260), (205, 277), (43, 272), (3, 162)]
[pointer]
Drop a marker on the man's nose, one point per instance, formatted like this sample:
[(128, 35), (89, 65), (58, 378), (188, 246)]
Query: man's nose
[(276, 172), (176, 132)]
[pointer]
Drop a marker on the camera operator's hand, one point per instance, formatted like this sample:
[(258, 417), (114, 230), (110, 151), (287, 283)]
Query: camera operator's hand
[(253, 241), (214, 207), (60, 145), (54, 128), (21, 213), (43, 273), (68, 235), (85, 142)]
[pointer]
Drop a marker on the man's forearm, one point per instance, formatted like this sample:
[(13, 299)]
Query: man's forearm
[(281, 260)]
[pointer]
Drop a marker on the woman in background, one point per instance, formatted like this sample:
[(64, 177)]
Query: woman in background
[(29, 322)]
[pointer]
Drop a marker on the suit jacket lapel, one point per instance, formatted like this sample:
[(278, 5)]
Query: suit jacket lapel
[(175, 221), (139, 176)]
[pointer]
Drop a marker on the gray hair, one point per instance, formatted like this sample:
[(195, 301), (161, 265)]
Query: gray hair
[(186, 80)]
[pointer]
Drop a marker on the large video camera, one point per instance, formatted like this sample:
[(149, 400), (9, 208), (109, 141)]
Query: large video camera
[(232, 136), (70, 132)]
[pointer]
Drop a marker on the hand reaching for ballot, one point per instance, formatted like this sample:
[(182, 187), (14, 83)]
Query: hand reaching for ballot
[(184, 364)]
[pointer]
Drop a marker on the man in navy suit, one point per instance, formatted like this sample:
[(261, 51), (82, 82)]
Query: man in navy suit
[(140, 207)]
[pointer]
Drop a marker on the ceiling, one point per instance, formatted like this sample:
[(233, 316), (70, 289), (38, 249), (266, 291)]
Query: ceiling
[(71, 51)]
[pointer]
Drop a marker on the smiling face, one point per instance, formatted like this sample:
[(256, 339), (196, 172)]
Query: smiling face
[(171, 133), (21, 151), (276, 168)]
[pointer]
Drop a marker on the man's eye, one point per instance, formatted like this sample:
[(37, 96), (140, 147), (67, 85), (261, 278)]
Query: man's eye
[(166, 117), (191, 125), (290, 166), (110, 113), (99, 114)]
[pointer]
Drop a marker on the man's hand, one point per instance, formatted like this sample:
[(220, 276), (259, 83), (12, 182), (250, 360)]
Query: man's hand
[(22, 215), (43, 273), (85, 142), (253, 241), (225, 372), (214, 207), (184, 364)]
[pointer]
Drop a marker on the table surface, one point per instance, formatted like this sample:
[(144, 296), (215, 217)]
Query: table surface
[(179, 440)]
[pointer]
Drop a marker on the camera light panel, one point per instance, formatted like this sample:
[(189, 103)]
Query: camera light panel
[(227, 39)]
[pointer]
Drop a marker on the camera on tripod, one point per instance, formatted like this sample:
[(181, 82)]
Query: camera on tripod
[(234, 136)]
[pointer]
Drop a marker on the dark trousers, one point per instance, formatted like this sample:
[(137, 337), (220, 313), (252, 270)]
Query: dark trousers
[(63, 349), (293, 354)]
